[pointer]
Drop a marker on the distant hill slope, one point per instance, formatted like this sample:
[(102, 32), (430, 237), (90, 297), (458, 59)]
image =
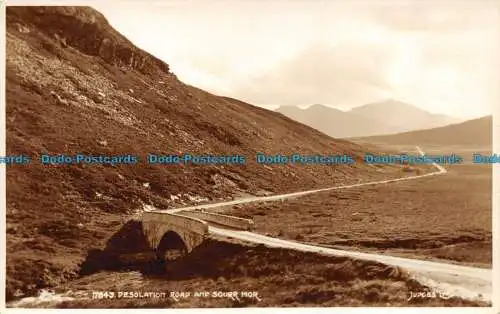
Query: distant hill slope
[(76, 85), (476, 132), (381, 118), (334, 122), (403, 116)]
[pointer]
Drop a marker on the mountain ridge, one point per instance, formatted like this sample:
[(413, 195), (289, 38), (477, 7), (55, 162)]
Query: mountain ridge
[(406, 115), (386, 117)]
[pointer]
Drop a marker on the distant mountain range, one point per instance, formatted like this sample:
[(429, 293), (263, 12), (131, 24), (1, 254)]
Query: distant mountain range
[(387, 117), (476, 132)]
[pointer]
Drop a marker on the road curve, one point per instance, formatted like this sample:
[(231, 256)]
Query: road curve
[(455, 280), (252, 199)]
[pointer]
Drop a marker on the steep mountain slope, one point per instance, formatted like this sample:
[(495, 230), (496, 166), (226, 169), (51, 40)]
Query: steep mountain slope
[(335, 122), (403, 116), (477, 132), (75, 85)]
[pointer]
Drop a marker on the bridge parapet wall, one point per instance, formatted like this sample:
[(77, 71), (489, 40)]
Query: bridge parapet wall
[(225, 220)]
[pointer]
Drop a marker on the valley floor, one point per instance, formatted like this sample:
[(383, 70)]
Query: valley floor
[(446, 217)]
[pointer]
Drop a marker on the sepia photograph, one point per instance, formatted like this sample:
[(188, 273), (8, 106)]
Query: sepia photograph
[(250, 154)]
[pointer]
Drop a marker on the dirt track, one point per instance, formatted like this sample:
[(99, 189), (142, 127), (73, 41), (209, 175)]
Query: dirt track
[(474, 283)]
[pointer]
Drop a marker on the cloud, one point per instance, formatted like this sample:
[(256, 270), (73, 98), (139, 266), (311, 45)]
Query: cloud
[(344, 74), (439, 55), (434, 16)]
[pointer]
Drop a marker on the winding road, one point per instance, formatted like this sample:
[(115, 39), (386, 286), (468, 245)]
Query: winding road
[(454, 280)]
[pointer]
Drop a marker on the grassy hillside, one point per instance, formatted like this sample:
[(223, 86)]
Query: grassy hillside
[(75, 85), (477, 132)]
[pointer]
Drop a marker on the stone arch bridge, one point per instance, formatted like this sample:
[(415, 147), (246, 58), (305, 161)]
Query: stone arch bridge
[(185, 230)]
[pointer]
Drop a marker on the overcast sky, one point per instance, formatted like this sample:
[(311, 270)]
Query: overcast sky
[(439, 55)]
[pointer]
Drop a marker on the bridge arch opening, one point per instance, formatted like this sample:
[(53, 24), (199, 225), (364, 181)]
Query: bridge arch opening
[(171, 247)]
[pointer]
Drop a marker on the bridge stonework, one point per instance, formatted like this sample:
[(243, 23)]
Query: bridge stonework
[(225, 220), (191, 230)]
